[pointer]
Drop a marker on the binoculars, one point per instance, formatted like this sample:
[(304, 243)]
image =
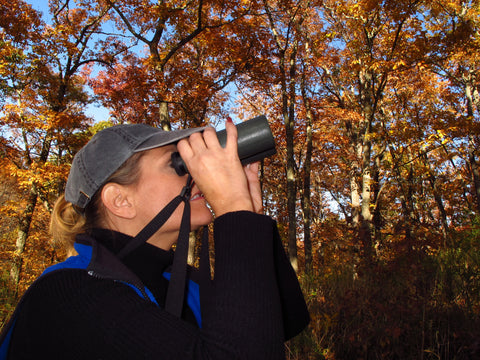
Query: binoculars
[(255, 142)]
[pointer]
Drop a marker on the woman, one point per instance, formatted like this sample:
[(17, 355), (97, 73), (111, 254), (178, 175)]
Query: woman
[(124, 208)]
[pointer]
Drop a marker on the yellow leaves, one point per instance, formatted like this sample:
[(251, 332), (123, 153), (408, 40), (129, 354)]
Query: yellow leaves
[(9, 209), (442, 136), (432, 141), (399, 64), (38, 174)]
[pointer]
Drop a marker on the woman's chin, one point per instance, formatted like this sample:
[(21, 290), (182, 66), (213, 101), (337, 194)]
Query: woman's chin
[(199, 220)]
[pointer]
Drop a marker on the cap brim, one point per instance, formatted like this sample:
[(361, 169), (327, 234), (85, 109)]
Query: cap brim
[(166, 137)]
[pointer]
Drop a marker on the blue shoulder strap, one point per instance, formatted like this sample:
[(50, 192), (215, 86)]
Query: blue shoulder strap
[(80, 261)]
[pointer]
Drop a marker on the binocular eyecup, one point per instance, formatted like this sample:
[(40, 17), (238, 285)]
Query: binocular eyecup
[(255, 142)]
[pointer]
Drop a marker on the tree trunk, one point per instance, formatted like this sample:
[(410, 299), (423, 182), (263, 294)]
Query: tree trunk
[(472, 145), (25, 219), (306, 198), (432, 179), (288, 96), (365, 144), (354, 198), (406, 185), (164, 116), (23, 230), (377, 214), (291, 168), (291, 194)]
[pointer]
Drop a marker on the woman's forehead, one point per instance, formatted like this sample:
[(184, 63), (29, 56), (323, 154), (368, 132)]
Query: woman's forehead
[(162, 150)]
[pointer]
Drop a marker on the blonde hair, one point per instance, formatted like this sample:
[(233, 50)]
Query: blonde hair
[(67, 222)]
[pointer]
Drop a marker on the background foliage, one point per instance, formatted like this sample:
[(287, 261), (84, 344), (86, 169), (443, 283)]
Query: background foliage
[(375, 109)]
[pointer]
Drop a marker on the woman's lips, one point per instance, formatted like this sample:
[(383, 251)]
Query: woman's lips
[(196, 196)]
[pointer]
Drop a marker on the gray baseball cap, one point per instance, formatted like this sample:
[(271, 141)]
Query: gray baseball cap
[(107, 151)]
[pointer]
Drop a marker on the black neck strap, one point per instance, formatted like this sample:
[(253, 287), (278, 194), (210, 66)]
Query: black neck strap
[(176, 288)]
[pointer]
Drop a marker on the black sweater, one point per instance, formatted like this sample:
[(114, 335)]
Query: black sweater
[(251, 306)]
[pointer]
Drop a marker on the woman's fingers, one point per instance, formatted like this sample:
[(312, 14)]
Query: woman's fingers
[(251, 172), (217, 171), (232, 137)]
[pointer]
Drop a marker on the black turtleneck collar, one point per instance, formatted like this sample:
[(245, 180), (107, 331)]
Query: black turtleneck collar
[(150, 254), (148, 262)]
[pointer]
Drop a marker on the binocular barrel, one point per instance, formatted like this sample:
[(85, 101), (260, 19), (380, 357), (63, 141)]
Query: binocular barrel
[(255, 142)]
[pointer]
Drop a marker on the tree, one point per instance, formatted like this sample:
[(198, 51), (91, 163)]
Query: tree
[(377, 45), (453, 35), (186, 66), (45, 103)]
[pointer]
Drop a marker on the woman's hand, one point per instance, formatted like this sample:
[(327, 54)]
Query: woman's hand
[(218, 173)]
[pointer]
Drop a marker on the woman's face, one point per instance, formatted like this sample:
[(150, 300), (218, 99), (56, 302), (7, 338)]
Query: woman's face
[(158, 184)]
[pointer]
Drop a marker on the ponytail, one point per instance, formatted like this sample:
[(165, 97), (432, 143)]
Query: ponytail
[(65, 224)]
